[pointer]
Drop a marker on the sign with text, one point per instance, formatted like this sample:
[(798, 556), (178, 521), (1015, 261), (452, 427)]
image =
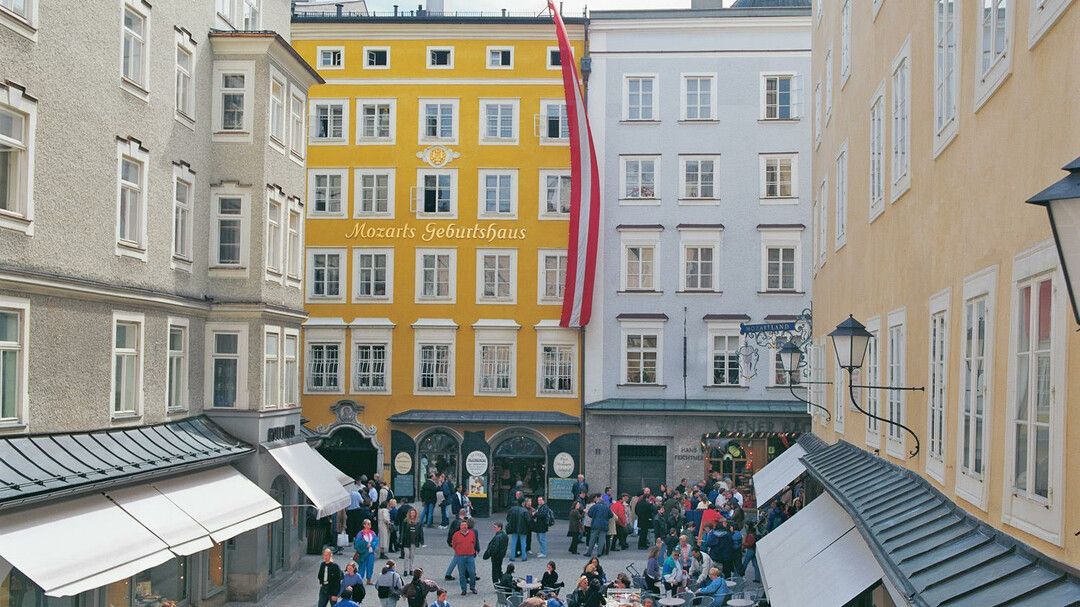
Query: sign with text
[(403, 485), (561, 488), (745, 328), (436, 230)]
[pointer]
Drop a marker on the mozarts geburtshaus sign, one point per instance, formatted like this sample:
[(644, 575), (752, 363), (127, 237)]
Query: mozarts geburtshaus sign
[(432, 230)]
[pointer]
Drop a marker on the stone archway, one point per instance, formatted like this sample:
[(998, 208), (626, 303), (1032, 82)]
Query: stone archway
[(347, 417)]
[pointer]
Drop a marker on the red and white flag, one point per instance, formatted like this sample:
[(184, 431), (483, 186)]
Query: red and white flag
[(584, 191)]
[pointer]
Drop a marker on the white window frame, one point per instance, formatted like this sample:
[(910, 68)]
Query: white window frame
[(256, 5), (371, 332), (26, 25), (541, 123), (140, 364), (455, 121), (900, 159), (542, 204), (358, 192), (699, 238), (937, 384), (241, 357), (1040, 517), (131, 149), (216, 194), (419, 195), (21, 307), (487, 57), (451, 296), (368, 65), (624, 199), (763, 194), (277, 141), (275, 400), (840, 395), (896, 437), (357, 297), (682, 194), (972, 488), (712, 78), (542, 278), (776, 370), (290, 398), (297, 125), (840, 206), (185, 116), (821, 222), (481, 195), (511, 299), (313, 107), (1042, 15), (499, 334), (547, 58), (294, 243), (873, 378), (140, 89), (989, 80), (845, 42), (363, 140), (639, 238), (947, 106), (275, 258), (330, 66), (14, 98), (429, 59), (435, 332), (548, 333), (781, 237), (317, 335), (876, 181), (793, 98), (828, 84), (343, 273), (182, 259), (313, 175), (515, 137), (716, 329), (654, 107), (640, 327), (818, 125), (247, 69), (875, 8)]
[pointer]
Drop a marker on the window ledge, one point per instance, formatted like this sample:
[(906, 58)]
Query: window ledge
[(785, 292), (17, 223), (779, 120), (13, 426), (497, 141), (699, 292), (779, 200), (375, 142), (328, 141), (724, 387), (185, 120), (554, 142), (176, 410), (699, 201), (320, 215), (628, 121), (640, 385), (134, 88), (132, 251), (554, 217), (125, 416), (18, 24), (699, 121), (639, 292)]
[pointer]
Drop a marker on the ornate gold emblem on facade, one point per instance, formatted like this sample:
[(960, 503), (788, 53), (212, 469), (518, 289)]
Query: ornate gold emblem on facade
[(437, 156)]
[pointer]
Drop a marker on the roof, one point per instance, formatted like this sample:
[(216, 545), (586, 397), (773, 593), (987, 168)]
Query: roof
[(771, 4), (699, 405), (321, 15), (274, 38), (800, 10), (35, 468), (932, 550), (434, 416)]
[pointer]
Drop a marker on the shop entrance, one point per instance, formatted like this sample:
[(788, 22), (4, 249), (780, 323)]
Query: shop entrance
[(350, 452), (518, 459), (438, 454), (641, 466), (276, 530), (734, 459)]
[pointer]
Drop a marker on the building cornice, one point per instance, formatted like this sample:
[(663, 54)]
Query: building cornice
[(414, 31), (271, 43)]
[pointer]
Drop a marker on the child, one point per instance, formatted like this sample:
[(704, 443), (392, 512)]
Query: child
[(441, 601)]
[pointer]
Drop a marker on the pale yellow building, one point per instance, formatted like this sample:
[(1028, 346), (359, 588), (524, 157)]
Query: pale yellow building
[(933, 122)]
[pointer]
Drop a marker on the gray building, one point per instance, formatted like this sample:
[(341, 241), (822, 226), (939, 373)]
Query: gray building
[(151, 196), (700, 117)]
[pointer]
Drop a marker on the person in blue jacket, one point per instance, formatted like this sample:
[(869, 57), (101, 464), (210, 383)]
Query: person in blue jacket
[(716, 588), (366, 545)]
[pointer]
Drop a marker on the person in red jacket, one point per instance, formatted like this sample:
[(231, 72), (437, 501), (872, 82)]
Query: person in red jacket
[(619, 509), (464, 543)]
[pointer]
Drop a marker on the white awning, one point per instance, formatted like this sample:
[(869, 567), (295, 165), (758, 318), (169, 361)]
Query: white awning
[(820, 549), (222, 501), (146, 504), (777, 474), (78, 544), (345, 480), (314, 475)]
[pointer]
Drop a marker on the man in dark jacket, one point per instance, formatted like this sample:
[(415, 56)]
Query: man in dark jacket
[(580, 486), (496, 551), (427, 495), (329, 579), (457, 501), (447, 488), (517, 526), (542, 520), (600, 514), (645, 512)]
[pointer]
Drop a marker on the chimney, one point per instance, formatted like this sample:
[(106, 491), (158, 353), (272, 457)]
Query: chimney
[(395, 10), (338, 8)]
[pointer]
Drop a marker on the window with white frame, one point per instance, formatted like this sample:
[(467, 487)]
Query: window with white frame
[(434, 371), (185, 67), (498, 193), (373, 271), (375, 192), (437, 193), (1042, 15), (496, 272), (779, 97), (377, 119), (323, 367), (331, 57), (252, 14), (724, 344), (13, 352), (821, 221), (132, 186), (495, 367), (324, 273), (641, 356), (698, 177), (700, 258), (228, 247), (974, 383), (24, 10), (18, 119), (440, 58), (895, 372), (376, 57), (499, 121), (297, 142), (552, 279), (1034, 394), (994, 60), (224, 9), (873, 378), (639, 101), (500, 58), (136, 31), (845, 42), (293, 259), (291, 369), (640, 176), (779, 177), (946, 70), (233, 88), (841, 195), (554, 125), (935, 397), (779, 376), (780, 261), (555, 193), (272, 368), (329, 120), (183, 216), (828, 83), (274, 207), (225, 367), (278, 92), (638, 266), (328, 192), (877, 153), (438, 120), (369, 367), (127, 376), (818, 125), (557, 368), (554, 58), (436, 275), (901, 122), (698, 97)]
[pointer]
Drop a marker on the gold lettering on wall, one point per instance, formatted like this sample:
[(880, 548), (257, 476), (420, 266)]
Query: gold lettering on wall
[(433, 230)]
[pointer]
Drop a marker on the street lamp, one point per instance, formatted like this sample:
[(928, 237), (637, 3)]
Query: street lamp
[(790, 359), (1062, 202)]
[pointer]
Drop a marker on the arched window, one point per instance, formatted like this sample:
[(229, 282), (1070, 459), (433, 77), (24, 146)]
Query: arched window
[(438, 454)]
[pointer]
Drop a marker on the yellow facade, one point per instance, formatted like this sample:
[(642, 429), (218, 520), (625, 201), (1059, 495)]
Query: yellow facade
[(959, 235), (408, 80)]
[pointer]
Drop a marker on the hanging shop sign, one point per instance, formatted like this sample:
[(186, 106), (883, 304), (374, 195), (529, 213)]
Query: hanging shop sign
[(476, 463), (403, 463), (563, 465)]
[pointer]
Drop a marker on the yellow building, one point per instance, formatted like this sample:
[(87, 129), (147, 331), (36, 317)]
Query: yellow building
[(934, 122), (438, 169)]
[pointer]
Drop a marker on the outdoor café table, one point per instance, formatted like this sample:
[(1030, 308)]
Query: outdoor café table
[(731, 584), (671, 601), (740, 603), (528, 586)]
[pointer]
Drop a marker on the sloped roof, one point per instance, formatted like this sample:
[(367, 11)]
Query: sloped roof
[(771, 4)]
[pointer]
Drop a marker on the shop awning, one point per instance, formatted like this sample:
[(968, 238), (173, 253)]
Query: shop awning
[(817, 558), (222, 501), (79, 544), (163, 518), (314, 475), (777, 474)]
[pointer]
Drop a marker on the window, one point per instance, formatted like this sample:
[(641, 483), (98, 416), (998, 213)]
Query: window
[(329, 120), (873, 378), (291, 372), (1034, 383), (699, 102), (499, 120), (232, 102), (278, 87), (273, 234), (993, 59), (185, 67), (780, 377), (225, 9), (699, 177), (438, 119), (724, 347), (324, 274), (639, 100), (14, 323), (841, 196), (1041, 17), (828, 84), (838, 397), (555, 194), (229, 238), (323, 367), (296, 125), (781, 268), (293, 251), (18, 120), (975, 368), (440, 58), (24, 9), (498, 194), (877, 153), (779, 178), (251, 15), (225, 361), (331, 57), (946, 71), (639, 268), (135, 34), (557, 368), (496, 272), (375, 192), (438, 193), (373, 274), (554, 58), (436, 275), (935, 397), (369, 367), (377, 121), (779, 97), (434, 368), (555, 127), (821, 221), (818, 124), (500, 58), (272, 369), (895, 368), (127, 364), (328, 192), (901, 125), (552, 279), (845, 42), (699, 268), (131, 199), (639, 177), (495, 369), (641, 356), (376, 58)]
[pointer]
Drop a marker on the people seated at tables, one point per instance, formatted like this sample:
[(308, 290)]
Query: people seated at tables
[(550, 579), (716, 588), (622, 581), (507, 580)]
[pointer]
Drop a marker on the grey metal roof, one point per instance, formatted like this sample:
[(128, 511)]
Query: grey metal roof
[(932, 550), (698, 405), (771, 4), (800, 10), (37, 467), (429, 416)]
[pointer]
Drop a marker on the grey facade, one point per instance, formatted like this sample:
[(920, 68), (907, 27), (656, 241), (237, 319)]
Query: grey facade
[(689, 223), (89, 235)]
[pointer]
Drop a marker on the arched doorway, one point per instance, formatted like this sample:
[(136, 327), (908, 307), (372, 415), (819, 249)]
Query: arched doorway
[(350, 452), (438, 453), (279, 491), (518, 458)]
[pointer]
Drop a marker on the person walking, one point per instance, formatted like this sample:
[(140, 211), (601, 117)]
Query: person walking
[(352, 581), (447, 489), (329, 579), (600, 513), (427, 495), (517, 526), (496, 551), (542, 520), (450, 568), (417, 590), (412, 537), (441, 600), (366, 543), (749, 546), (465, 548), (645, 512), (618, 511), (384, 529), (389, 586), (574, 528)]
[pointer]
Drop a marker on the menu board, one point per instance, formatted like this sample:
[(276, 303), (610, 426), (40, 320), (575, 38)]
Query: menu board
[(561, 488)]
